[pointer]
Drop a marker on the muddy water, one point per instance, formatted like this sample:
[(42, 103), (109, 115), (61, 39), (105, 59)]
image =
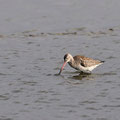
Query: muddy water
[(34, 36)]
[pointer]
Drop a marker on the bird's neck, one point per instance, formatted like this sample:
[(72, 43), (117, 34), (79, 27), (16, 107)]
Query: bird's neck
[(72, 62)]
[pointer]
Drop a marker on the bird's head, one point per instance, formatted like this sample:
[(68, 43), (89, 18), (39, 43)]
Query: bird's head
[(67, 58)]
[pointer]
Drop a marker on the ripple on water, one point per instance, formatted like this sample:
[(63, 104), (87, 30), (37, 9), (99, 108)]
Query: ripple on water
[(5, 118), (31, 83), (69, 106), (111, 106), (102, 94), (88, 102), (3, 74), (18, 90), (93, 108), (5, 96), (111, 57)]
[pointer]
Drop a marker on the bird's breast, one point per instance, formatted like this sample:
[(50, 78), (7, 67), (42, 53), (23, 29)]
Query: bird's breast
[(73, 65)]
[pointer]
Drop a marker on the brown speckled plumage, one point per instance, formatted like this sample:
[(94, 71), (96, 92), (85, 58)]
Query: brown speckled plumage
[(85, 61), (81, 63)]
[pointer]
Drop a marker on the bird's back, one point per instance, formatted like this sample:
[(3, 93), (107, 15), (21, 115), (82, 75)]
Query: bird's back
[(85, 61)]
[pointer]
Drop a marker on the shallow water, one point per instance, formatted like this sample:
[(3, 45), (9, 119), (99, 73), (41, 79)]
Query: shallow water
[(35, 36)]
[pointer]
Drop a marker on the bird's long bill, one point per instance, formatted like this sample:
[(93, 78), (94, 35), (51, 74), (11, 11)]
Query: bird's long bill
[(62, 67)]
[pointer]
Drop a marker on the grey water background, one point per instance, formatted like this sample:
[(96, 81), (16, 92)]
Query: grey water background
[(35, 35)]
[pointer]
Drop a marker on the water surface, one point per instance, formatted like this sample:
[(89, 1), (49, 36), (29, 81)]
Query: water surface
[(34, 36)]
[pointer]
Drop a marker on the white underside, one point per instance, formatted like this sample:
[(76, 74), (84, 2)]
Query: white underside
[(87, 69)]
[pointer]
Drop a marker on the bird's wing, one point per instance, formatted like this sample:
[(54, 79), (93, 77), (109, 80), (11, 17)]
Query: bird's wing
[(85, 61)]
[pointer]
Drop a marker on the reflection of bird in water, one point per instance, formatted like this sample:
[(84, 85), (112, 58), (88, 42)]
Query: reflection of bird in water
[(86, 76), (81, 63)]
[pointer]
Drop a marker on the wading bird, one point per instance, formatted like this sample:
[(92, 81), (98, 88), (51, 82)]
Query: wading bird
[(81, 63)]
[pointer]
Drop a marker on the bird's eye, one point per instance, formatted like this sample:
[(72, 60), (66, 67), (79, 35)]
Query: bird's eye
[(65, 57)]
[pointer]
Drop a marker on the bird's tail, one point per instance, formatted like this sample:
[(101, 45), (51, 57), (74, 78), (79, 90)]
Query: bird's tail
[(102, 61)]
